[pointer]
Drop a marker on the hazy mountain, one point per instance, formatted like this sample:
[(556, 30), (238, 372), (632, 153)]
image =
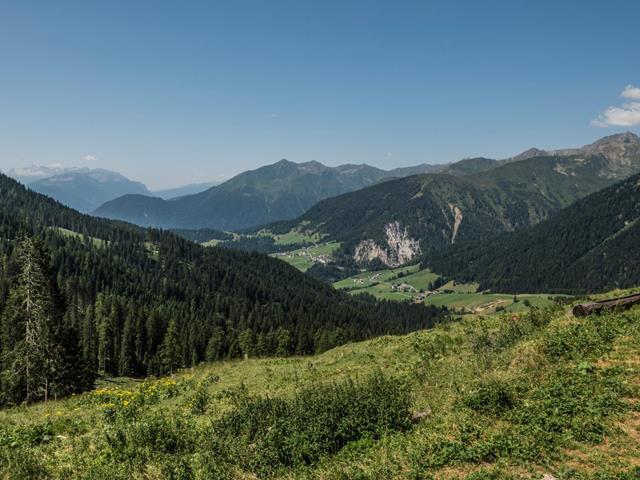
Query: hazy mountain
[(591, 245), (85, 189), (397, 220), (280, 191), (183, 190), (26, 175)]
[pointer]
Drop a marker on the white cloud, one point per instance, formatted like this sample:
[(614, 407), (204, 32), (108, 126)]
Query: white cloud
[(89, 158), (389, 154), (631, 92), (626, 115)]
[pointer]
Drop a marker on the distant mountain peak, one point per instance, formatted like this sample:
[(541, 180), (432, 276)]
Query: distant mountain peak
[(530, 153), (622, 151)]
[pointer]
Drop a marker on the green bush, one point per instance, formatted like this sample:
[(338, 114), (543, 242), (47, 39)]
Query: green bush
[(493, 398), (265, 434), (588, 339), (150, 435)]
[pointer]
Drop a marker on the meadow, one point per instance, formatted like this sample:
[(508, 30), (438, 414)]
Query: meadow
[(517, 395)]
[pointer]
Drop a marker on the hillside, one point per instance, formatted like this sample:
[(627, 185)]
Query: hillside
[(589, 246), (393, 222), (540, 394), (86, 189), (140, 302)]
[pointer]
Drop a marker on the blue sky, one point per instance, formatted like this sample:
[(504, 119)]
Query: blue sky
[(176, 92)]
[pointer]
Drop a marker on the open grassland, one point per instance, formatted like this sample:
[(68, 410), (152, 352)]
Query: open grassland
[(410, 274), (304, 258), (480, 303), (293, 237), (461, 297), (97, 242), (493, 397)]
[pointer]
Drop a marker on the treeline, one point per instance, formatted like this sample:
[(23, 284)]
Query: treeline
[(140, 302)]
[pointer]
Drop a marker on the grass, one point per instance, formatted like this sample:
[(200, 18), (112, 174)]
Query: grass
[(464, 298), (391, 275), (294, 236), (488, 303), (500, 396), (305, 258), (97, 242)]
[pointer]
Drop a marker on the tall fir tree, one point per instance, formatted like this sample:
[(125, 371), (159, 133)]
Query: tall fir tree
[(170, 351), (31, 360)]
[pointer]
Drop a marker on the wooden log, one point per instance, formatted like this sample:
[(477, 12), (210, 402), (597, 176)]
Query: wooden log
[(620, 303)]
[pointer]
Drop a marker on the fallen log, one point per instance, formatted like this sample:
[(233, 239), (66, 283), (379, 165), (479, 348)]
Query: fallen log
[(620, 303)]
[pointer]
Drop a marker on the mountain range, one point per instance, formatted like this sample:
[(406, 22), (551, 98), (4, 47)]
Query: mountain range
[(280, 191), (395, 221), (85, 189)]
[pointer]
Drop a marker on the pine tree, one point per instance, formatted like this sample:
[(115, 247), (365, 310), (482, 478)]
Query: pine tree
[(215, 345), (126, 360), (246, 341), (170, 351), (31, 359)]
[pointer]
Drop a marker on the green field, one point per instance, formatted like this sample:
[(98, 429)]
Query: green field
[(499, 398), (97, 242), (369, 278), (292, 237), (463, 297), (304, 258), (487, 303)]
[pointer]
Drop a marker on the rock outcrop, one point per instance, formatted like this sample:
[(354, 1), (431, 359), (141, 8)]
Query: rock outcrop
[(399, 249)]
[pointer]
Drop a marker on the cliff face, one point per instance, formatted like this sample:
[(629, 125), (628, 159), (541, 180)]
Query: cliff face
[(398, 250)]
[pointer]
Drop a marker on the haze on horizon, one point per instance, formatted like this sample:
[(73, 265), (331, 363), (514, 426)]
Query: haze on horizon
[(172, 94)]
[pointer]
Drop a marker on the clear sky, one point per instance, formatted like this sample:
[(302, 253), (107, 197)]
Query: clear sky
[(182, 91)]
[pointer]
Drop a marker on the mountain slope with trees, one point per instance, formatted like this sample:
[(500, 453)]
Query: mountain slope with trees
[(138, 302), (590, 246)]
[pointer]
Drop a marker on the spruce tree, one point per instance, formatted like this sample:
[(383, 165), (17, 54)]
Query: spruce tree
[(170, 351), (31, 359)]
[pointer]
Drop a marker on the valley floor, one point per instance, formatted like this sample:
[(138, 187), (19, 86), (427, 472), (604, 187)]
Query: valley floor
[(511, 396), (411, 283)]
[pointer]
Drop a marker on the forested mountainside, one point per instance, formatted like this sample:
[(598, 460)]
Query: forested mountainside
[(397, 220), (139, 302), (86, 189), (590, 246)]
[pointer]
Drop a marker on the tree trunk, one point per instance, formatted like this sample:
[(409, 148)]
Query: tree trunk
[(620, 303)]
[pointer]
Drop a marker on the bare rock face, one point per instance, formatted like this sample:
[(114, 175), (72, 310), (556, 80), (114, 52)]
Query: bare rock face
[(399, 249), (457, 220)]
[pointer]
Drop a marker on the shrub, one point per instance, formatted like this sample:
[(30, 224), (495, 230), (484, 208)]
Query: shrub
[(590, 338), (494, 397), (150, 435), (264, 434)]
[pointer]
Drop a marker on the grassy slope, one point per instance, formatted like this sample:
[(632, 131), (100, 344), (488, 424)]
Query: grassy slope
[(508, 397), (302, 258)]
